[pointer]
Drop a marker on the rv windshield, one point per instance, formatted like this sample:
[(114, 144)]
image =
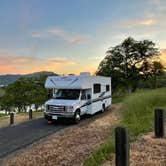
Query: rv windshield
[(67, 94)]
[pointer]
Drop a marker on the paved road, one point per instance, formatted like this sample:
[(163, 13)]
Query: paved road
[(16, 137)]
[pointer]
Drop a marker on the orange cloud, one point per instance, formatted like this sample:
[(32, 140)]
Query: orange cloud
[(138, 22), (60, 60), (64, 68), (10, 63), (147, 22)]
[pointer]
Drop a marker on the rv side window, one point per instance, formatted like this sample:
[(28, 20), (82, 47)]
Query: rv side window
[(107, 88), (83, 96), (96, 88)]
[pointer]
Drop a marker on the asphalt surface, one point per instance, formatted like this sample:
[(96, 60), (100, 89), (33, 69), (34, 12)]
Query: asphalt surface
[(16, 137)]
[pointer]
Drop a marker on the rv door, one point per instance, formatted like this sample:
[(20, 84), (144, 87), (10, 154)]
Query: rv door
[(89, 101), (83, 102)]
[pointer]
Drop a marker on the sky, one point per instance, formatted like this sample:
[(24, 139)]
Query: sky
[(72, 36)]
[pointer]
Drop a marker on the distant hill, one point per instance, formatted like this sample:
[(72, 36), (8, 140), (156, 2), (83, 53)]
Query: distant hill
[(10, 78)]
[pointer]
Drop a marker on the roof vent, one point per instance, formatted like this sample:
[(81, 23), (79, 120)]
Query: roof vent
[(84, 74), (71, 74)]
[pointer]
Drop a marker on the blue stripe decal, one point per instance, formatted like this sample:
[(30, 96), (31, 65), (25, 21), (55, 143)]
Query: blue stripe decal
[(95, 100)]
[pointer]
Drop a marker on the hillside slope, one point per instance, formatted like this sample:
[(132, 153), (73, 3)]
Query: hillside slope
[(10, 78)]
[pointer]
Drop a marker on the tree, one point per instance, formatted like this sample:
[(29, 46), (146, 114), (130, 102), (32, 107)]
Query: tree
[(39, 94), (6, 102), (17, 93), (128, 62), (25, 92), (157, 70)]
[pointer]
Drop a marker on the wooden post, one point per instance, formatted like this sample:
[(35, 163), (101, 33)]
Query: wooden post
[(11, 118), (159, 123), (121, 147), (30, 114)]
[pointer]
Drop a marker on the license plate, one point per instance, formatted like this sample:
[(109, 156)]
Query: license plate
[(54, 117)]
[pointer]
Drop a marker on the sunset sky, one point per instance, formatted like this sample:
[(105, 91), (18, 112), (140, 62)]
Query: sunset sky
[(70, 36)]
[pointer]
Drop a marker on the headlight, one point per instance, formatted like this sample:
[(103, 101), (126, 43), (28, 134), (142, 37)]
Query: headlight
[(69, 108)]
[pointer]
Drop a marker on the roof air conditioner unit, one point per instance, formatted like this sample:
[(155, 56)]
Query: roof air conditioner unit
[(84, 74)]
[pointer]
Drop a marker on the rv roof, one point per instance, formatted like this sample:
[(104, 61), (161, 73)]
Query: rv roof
[(65, 82), (71, 82)]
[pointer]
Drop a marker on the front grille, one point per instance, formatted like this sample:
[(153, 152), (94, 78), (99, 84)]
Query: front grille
[(56, 108)]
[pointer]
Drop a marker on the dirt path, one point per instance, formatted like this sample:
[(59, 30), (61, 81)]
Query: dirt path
[(68, 147), (146, 151)]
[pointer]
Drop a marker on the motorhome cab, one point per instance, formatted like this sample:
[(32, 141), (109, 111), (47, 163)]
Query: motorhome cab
[(74, 96)]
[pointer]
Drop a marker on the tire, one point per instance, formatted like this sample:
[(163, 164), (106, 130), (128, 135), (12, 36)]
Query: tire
[(103, 108), (77, 117)]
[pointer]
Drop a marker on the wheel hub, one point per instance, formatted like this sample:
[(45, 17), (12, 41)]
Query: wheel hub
[(77, 116)]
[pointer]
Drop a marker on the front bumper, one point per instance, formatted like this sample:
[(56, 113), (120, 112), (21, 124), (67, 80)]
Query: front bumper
[(48, 115)]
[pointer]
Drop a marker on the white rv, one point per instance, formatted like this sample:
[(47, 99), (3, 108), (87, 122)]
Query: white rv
[(74, 96)]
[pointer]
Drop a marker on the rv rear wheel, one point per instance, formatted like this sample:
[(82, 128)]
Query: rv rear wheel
[(77, 117)]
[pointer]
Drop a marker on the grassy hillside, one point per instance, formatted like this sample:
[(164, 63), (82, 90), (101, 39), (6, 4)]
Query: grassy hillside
[(138, 110), (137, 114)]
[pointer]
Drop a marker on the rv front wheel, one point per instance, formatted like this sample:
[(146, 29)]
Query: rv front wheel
[(77, 117)]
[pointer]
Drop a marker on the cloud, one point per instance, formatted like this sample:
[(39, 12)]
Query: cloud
[(47, 33), (36, 35), (11, 63), (57, 32), (97, 58), (138, 22), (147, 22), (158, 4), (163, 54), (60, 60), (60, 34), (17, 64), (78, 39), (147, 26)]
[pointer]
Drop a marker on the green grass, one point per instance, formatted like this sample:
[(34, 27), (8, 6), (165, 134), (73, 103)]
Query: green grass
[(117, 99), (138, 110), (137, 115), (2, 116), (37, 114), (102, 153)]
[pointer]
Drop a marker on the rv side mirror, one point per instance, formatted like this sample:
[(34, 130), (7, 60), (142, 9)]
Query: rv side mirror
[(49, 96), (88, 96)]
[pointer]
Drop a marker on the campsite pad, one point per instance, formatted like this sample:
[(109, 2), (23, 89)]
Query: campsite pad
[(16, 137)]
